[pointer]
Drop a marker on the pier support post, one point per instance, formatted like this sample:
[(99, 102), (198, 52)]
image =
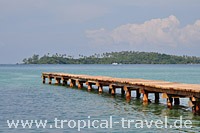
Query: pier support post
[(57, 80), (169, 99), (122, 91), (64, 82), (100, 88), (157, 98), (169, 102), (89, 86), (128, 92), (80, 84), (196, 108), (196, 105), (43, 79), (109, 91), (145, 96), (50, 80), (138, 94), (72, 83), (176, 101), (112, 89)]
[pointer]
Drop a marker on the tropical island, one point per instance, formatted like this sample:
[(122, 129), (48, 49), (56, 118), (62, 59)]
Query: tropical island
[(123, 57)]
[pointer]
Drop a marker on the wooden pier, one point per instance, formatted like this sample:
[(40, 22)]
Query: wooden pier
[(172, 91)]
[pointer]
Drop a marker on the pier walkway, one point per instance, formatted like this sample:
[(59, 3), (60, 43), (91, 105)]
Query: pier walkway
[(172, 91)]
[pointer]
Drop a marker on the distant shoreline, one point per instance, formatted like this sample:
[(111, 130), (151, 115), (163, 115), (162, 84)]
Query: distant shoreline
[(123, 57), (98, 64)]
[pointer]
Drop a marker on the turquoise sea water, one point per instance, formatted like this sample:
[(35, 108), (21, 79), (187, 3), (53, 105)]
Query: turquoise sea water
[(24, 97)]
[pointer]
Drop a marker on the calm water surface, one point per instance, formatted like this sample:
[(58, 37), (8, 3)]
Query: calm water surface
[(24, 97)]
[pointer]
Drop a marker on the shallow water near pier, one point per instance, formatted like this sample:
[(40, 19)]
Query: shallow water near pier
[(24, 97)]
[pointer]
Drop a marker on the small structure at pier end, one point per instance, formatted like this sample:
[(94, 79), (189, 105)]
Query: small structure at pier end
[(172, 91)]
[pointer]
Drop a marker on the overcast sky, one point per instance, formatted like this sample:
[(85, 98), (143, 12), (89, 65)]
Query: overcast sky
[(86, 27)]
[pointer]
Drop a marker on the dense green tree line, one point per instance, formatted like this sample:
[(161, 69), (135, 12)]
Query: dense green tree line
[(124, 57)]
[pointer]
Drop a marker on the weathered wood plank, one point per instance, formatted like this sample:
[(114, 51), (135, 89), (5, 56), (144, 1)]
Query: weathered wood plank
[(180, 89)]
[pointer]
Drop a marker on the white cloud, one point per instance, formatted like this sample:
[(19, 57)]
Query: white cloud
[(155, 32), (190, 34)]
